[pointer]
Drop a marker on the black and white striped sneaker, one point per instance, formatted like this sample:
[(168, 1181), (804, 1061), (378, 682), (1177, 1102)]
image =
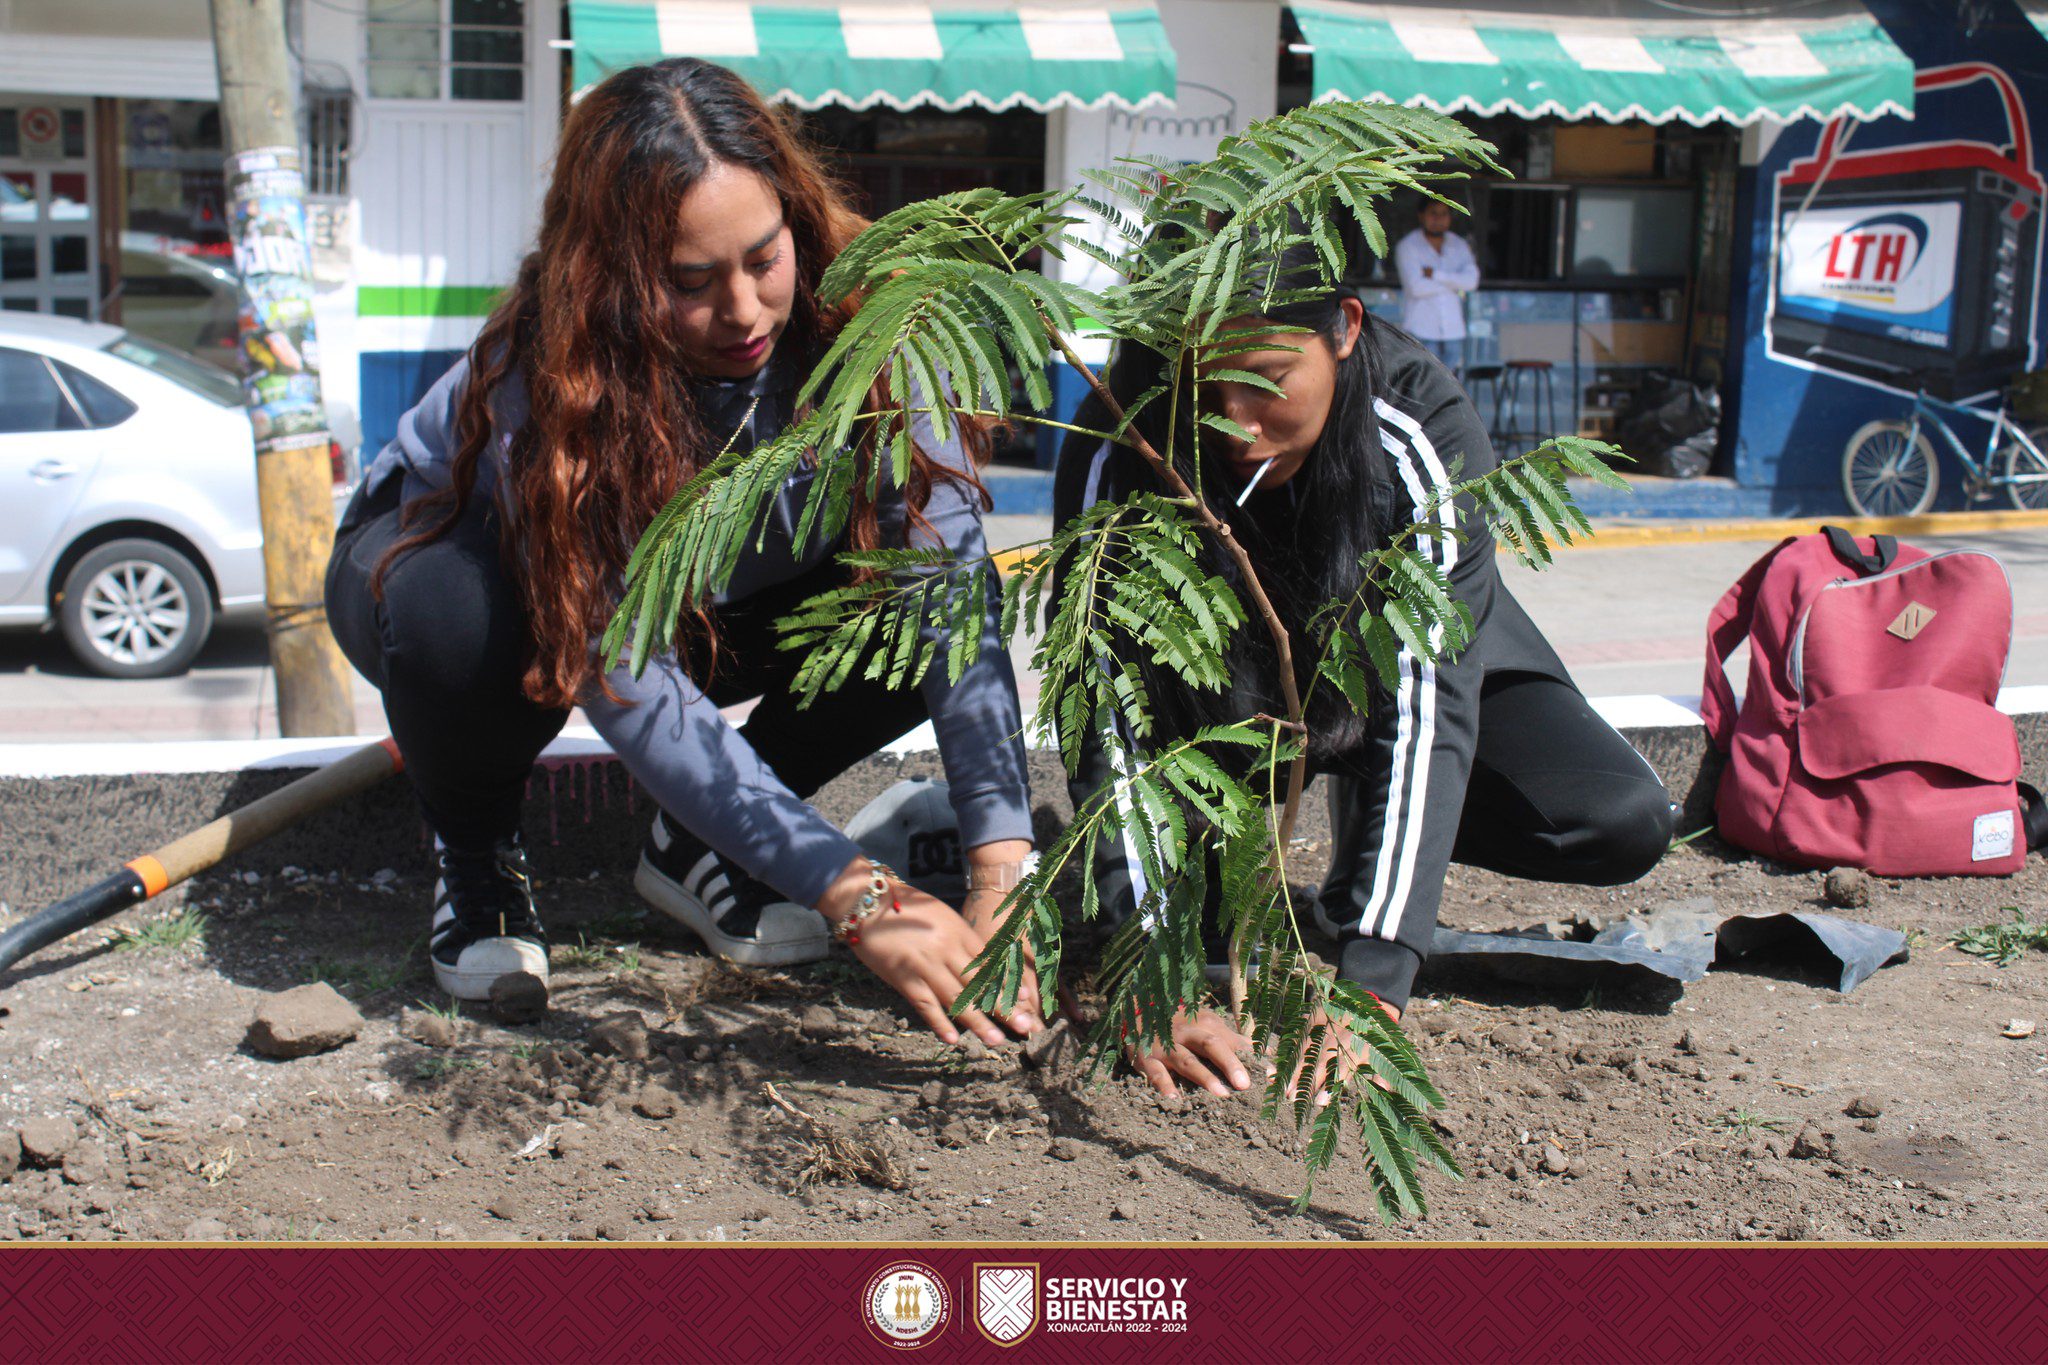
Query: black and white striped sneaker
[(485, 927), (739, 918)]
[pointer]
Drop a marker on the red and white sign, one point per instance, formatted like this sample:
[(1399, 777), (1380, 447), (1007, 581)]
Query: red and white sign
[(42, 134)]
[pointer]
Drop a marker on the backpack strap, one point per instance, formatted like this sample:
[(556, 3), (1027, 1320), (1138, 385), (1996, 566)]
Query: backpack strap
[(1727, 627), (1849, 552), (2033, 815)]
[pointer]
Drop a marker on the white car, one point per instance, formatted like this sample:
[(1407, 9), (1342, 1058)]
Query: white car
[(128, 510)]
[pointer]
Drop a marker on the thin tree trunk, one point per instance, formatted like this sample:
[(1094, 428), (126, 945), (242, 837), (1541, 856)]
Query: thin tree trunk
[(1297, 771)]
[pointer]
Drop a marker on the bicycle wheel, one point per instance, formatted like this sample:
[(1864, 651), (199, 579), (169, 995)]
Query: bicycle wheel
[(1886, 475), (2017, 462)]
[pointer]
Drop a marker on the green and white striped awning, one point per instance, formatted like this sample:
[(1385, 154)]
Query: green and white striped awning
[(1612, 59), (995, 55)]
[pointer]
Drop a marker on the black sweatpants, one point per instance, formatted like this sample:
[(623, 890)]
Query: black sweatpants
[(1549, 791), (449, 643)]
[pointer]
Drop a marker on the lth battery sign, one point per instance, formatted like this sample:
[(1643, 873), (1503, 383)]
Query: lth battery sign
[(1917, 265)]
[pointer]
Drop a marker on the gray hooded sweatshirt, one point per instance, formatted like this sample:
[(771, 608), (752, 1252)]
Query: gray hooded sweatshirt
[(669, 734)]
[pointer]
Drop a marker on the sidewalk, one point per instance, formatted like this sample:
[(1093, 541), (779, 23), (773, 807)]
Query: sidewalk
[(1627, 617)]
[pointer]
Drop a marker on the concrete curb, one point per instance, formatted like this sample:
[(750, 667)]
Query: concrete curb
[(1613, 535), (72, 812)]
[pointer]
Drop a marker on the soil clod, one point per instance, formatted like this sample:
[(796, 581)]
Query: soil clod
[(655, 1103), (518, 998), (429, 1030), (1864, 1107), (303, 1021), (1847, 888), (45, 1141), (622, 1035), (1051, 1048), (821, 1022)]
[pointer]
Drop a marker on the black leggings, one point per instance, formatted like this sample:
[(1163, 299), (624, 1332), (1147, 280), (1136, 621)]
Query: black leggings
[(449, 643), (1550, 792)]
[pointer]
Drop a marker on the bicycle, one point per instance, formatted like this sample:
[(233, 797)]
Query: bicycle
[(1889, 468)]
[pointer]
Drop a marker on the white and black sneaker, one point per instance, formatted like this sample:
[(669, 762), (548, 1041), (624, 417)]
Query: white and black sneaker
[(485, 927), (739, 918)]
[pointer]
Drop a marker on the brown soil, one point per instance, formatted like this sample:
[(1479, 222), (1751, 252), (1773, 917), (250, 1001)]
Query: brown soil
[(1718, 1114)]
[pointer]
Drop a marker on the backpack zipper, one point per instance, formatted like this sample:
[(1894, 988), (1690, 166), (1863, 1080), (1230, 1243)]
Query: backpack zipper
[(1796, 665)]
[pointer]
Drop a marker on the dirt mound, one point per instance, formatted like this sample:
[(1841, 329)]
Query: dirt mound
[(668, 1096)]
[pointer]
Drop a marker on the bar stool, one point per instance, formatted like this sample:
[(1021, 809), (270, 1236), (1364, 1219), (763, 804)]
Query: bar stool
[(1543, 398), (1492, 374)]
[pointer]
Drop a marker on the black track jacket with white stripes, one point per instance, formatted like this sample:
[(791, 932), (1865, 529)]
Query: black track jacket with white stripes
[(1406, 782)]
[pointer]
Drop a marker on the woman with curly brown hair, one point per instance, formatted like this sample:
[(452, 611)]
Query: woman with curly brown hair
[(668, 313)]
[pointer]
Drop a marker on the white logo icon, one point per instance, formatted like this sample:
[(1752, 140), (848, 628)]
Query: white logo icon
[(1006, 1301)]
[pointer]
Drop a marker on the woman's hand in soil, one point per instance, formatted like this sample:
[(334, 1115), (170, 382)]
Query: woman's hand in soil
[(1340, 1056), (922, 947), (1206, 1051)]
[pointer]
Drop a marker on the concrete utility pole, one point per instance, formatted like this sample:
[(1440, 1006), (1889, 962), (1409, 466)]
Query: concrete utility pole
[(281, 362)]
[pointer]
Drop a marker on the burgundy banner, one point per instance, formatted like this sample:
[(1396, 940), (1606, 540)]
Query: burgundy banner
[(734, 1304)]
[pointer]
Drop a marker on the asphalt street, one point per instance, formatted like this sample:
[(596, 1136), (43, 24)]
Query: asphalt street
[(1626, 620)]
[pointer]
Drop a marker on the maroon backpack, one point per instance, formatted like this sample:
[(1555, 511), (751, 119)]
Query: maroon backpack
[(1869, 735)]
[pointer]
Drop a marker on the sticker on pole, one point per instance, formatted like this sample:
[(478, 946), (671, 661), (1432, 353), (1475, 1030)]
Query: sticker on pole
[(280, 356)]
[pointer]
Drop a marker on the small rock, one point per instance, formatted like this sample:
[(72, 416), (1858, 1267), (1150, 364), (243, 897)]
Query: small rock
[(518, 998), (1482, 1219), (1689, 1043), (1811, 1142), (622, 1035), (654, 1102), (45, 1141), (428, 1029), (2019, 1028), (450, 1232), (1576, 1168), (1864, 1107), (383, 876), (659, 1209), (1122, 1213), (1062, 1150), (819, 1021), (1847, 888), (931, 1095), (1554, 1161), (507, 1208), (303, 1021), (206, 1230)]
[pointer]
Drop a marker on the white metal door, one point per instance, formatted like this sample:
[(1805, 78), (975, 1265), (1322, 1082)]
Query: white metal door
[(48, 249), (446, 200)]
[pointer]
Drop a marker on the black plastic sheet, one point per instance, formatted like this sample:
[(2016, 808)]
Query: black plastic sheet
[(1678, 941)]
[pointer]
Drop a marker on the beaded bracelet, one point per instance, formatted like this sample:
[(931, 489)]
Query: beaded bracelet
[(871, 904)]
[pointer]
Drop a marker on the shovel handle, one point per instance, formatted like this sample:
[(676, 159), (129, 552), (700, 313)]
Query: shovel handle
[(150, 875)]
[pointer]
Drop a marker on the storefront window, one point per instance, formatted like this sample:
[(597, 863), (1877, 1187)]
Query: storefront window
[(177, 281), (896, 158), (446, 49), (48, 261)]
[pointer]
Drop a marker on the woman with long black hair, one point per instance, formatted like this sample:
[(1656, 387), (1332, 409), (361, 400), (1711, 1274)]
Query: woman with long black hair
[(1491, 758), (666, 315)]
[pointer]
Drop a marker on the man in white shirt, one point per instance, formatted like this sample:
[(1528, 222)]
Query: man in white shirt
[(1437, 271)]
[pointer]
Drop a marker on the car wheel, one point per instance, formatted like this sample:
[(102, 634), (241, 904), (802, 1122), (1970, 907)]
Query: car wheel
[(135, 609)]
